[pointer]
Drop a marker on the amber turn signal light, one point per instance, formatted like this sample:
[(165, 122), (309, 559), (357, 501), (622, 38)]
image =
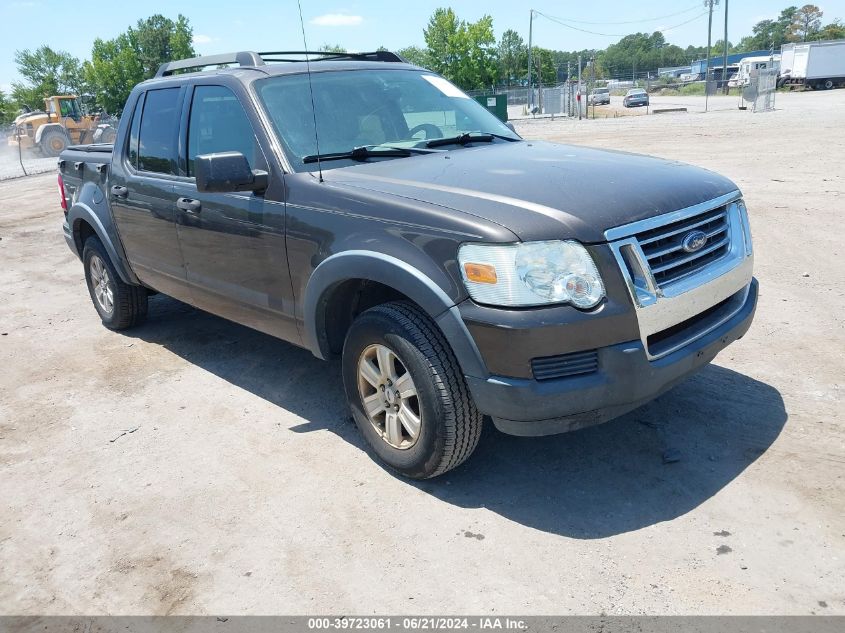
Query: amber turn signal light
[(480, 273)]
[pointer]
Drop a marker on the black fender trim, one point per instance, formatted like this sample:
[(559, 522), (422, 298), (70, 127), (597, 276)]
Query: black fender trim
[(81, 212), (48, 126), (397, 274)]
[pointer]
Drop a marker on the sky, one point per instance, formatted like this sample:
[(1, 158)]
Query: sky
[(360, 25)]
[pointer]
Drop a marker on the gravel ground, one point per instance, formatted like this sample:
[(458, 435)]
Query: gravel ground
[(195, 466), (33, 163)]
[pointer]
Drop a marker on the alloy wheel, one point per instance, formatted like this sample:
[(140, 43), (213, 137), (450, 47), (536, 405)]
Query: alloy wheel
[(101, 284), (389, 396)]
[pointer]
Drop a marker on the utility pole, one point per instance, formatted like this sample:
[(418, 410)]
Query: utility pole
[(725, 65), (530, 38), (709, 4), (579, 88)]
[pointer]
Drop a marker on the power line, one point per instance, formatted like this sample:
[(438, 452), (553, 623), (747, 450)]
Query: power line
[(575, 28), (661, 17), (700, 15)]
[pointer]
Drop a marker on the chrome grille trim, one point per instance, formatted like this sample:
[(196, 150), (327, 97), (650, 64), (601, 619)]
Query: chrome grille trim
[(664, 252), (641, 226), (689, 258), (688, 227), (678, 247), (671, 291)]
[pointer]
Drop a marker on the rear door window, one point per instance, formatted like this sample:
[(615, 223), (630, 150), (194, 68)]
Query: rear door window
[(132, 150), (158, 131)]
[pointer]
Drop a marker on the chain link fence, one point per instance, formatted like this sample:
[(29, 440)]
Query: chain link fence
[(761, 89), (557, 100)]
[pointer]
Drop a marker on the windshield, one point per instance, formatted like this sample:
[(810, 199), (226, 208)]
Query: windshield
[(369, 108), (601, 90), (69, 107), (636, 92)]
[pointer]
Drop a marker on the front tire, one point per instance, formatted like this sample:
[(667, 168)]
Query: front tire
[(120, 305), (407, 393), (53, 142)]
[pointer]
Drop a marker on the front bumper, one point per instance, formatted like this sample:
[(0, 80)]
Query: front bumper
[(625, 380)]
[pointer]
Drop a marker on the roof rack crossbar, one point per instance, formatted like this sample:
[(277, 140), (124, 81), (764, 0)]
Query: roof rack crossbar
[(249, 58), (378, 56), (242, 58)]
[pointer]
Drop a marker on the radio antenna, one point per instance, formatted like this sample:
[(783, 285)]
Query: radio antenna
[(310, 90)]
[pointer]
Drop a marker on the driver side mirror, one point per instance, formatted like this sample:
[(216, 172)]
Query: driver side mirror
[(227, 172)]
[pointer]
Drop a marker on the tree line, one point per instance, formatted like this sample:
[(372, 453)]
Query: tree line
[(467, 53), (115, 67)]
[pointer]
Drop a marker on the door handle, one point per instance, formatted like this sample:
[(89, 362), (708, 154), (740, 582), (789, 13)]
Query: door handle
[(119, 192), (189, 204)]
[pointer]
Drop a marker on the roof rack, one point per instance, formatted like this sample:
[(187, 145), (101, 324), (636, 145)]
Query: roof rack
[(249, 58), (375, 56), (244, 58)]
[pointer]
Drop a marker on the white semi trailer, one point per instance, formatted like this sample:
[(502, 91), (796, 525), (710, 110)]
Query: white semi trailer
[(748, 65), (817, 65)]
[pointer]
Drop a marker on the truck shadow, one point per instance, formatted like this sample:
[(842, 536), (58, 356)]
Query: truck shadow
[(652, 465), (649, 466)]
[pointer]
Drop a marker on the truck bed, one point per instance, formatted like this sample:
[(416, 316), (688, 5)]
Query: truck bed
[(78, 163), (95, 153), (93, 147)]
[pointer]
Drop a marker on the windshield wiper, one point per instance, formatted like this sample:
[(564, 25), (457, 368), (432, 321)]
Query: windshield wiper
[(360, 154), (469, 137)]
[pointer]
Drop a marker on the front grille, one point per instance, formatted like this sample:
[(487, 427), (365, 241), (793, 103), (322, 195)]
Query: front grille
[(664, 249), (564, 365)]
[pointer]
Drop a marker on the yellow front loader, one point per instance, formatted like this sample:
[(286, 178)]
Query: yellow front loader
[(62, 123)]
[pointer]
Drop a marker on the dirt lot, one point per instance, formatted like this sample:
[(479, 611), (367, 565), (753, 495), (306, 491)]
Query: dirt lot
[(30, 162), (195, 466)]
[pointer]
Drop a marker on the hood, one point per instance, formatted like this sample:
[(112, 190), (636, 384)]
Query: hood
[(542, 190), (27, 116)]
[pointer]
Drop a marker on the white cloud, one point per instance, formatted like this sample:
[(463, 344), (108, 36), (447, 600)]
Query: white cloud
[(202, 39), (337, 19)]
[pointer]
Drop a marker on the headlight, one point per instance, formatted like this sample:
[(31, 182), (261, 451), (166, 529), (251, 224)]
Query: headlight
[(531, 274)]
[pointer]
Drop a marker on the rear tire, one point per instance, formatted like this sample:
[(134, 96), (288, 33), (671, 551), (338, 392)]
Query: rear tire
[(120, 305), (53, 142), (105, 135), (419, 362), (828, 84)]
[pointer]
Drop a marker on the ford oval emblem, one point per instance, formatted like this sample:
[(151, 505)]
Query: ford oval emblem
[(694, 241)]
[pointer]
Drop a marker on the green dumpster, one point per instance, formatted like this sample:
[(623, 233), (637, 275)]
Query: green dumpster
[(497, 104)]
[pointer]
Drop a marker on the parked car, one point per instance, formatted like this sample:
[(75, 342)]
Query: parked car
[(635, 97), (455, 270), (600, 96)]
